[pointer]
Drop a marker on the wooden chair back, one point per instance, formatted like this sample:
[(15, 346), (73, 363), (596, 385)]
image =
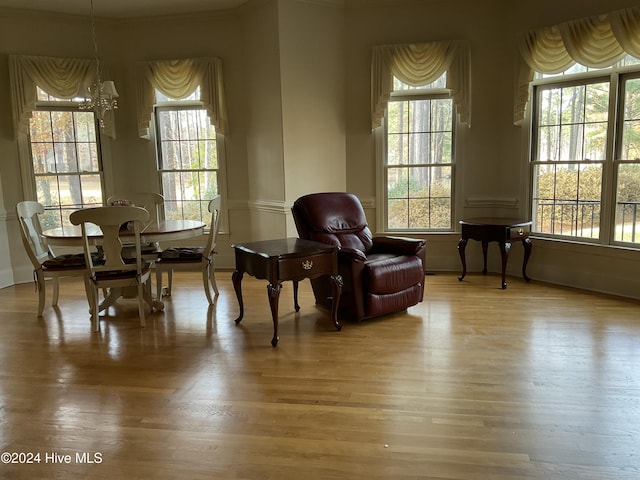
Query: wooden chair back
[(152, 202), (214, 209), (111, 221), (28, 213)]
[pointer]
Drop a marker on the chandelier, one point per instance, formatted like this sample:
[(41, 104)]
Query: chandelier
[(101, 96)]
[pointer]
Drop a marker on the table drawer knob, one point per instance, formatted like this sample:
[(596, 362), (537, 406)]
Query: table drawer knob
[(307, 265), (520, 231)]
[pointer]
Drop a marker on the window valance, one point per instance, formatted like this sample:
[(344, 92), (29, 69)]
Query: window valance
[(419, 64), (59, 77), (596, 42), (179, 79)]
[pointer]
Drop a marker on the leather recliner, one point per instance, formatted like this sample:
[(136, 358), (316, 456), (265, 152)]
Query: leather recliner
[(381, 274)]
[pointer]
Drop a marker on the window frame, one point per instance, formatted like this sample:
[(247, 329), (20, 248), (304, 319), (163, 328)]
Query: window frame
[(615, 76), (103, 148), (381, 148), (190, 104)]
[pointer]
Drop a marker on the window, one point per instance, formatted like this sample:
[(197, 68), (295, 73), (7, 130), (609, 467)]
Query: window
[(420, 93), (188, 157), (419, 157), (585, 159), (65, 157)]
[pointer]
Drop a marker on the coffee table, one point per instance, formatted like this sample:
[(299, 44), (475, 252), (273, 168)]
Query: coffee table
[(286, 259)]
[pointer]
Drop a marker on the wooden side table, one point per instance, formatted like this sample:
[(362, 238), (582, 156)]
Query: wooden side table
[(496, 229), (286, 259)]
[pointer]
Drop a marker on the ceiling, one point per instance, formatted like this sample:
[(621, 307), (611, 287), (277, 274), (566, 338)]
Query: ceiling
[(122, 8)]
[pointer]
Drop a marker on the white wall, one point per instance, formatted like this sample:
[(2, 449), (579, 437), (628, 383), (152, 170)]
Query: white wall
[(312, 66)]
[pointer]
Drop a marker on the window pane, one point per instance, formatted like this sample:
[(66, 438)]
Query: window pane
[(631, 121), (567, 199), (208, 154), (397, 117), (397, 183), (549, 107), (572, 122), (40, 127), (571, 102), (628, 204), (419, 148), (91, 186), (627, 224), (70, 190), (441, 147), (595, 141), (42, 156), (88, 157), (65, 157), (66, 161), (47, 190), (85, 127), (548, 143), (168, 125), (631, 140), (398, 213), (190, 155), (571, 137), (188, 161), (397, 149), (420, 134), (63, 130)]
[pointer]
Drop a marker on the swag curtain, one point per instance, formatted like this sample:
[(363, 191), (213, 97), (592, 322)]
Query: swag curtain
[(179, 79), (596, 42), (419, 64), (59, 77)]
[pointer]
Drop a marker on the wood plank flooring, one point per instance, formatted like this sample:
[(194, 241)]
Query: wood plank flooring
[(475, 383)]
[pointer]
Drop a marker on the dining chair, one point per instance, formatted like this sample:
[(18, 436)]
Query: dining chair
[(115, 272), (152, 203), (192, 258), (46, 265)]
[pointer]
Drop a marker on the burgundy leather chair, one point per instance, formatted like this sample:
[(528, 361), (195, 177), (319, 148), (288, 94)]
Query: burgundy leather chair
[(380, 274)]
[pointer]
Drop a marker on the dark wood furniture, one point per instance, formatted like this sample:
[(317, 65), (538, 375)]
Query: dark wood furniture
[(495, 229), (286, 259)]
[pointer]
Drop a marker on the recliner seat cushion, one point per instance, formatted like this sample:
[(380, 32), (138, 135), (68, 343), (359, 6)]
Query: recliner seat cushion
[(388, 274)]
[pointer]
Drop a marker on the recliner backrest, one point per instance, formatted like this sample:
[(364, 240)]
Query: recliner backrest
[(336, 218)]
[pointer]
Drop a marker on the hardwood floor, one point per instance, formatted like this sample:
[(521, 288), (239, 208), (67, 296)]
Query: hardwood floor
[(475, 383)]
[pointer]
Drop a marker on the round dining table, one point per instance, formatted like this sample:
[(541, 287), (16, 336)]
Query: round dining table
[(157, 231), (160, 231)]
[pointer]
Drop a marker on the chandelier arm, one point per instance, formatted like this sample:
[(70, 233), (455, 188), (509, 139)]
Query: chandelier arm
[(102, 95)]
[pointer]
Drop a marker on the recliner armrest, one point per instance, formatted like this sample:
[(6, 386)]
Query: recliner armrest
[(352, 254), (400, 245)]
